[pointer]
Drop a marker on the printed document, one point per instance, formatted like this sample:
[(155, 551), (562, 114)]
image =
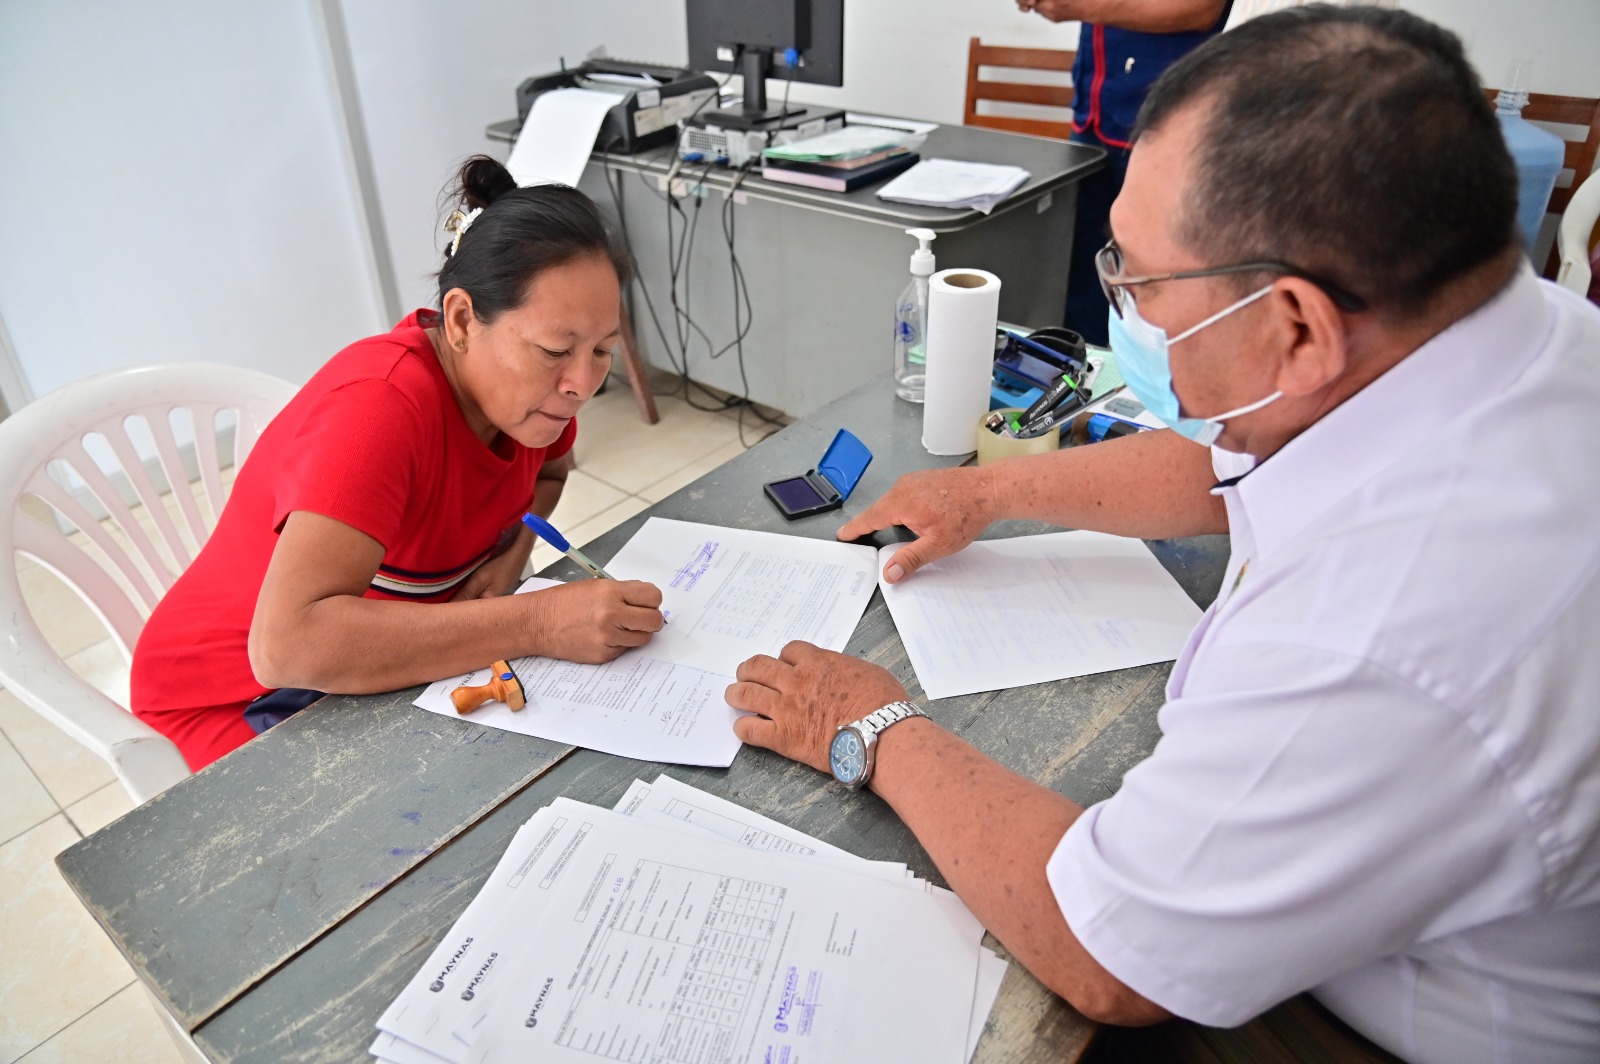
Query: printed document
[(636, 706), (463, 966), (1011, 612), (691, 958), (657, 945), (728, 594), (554, 143), (952, 183)]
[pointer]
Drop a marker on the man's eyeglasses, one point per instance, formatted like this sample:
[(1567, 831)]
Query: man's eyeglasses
[(1108, 264)]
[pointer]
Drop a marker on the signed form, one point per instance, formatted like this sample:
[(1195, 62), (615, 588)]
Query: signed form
[(728, 594), (637, 706), (1011, 612)]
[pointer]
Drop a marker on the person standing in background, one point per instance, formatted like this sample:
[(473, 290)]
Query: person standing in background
[(1123, 47)]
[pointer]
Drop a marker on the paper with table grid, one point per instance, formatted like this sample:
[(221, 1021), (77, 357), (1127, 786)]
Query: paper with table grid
[(668, 937)]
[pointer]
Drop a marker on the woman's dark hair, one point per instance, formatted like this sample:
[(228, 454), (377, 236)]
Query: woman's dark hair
[(521, 233)]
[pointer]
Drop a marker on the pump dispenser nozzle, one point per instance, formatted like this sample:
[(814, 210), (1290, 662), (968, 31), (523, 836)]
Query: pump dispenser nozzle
[(1514, 97), (922, 258)]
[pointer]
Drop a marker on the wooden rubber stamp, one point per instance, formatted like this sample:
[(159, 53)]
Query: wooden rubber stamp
[(503, 686)]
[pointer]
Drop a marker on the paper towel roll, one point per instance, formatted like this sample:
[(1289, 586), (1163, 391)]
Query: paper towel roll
[(963, 309)]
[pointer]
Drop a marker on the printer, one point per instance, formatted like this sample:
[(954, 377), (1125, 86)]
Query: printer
[(651, 99)]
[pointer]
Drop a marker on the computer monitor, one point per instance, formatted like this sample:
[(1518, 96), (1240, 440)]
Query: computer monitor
[(750, 37)]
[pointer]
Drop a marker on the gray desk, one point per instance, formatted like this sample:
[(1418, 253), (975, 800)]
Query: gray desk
[(822, 266), (280, 899)]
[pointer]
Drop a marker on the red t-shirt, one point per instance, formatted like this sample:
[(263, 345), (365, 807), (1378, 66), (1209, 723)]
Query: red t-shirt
[(376, 440)]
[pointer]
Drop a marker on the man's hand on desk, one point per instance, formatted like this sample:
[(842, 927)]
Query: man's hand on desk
[(803, 695), (946, 508)]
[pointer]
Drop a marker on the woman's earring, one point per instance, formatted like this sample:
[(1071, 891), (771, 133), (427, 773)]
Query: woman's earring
[(461, 345)]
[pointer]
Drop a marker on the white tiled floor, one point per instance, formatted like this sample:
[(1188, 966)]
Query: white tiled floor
[(65, 992)]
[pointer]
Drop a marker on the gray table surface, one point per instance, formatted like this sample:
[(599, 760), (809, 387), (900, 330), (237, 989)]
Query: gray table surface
[(1051, 165), (277, 901)]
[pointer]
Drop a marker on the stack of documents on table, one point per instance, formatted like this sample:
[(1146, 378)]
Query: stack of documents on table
[(728, 594), (843, 160), (683, 927), (842, 145), (1011, 612), (951, 183)]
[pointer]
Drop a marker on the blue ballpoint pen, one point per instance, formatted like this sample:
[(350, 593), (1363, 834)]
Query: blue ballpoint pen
[(547, 532)]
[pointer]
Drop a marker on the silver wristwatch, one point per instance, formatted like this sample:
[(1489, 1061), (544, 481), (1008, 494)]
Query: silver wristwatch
[(854, 749)]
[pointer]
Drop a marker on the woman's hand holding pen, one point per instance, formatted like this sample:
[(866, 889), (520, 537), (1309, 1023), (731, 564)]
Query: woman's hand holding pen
[(594, 621)]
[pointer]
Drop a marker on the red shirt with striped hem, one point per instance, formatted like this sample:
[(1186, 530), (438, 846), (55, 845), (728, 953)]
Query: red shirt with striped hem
[(375, 440)]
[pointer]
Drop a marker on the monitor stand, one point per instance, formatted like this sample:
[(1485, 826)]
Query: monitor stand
[(753, 113)]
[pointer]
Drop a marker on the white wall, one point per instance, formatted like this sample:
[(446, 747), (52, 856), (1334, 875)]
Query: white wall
[(173, 187), (433, 74), (1562, 37)]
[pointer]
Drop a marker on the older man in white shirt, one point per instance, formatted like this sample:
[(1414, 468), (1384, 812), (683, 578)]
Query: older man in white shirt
[(1379, 777)]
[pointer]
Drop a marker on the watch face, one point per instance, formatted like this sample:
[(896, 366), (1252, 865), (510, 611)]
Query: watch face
[(846, 756)]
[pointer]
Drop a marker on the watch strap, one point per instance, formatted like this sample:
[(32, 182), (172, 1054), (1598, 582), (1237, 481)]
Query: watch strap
[(893, 713)]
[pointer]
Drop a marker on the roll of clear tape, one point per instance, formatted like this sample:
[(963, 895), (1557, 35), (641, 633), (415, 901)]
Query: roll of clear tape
[(992, 446), (963, 309)]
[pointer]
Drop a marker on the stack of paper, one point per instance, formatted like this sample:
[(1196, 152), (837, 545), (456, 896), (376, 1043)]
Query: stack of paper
[(950, 183), (728, 594), (683, 927), (850, 142)]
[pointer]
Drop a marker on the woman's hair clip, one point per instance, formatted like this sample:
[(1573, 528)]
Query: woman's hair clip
[(458, 223)]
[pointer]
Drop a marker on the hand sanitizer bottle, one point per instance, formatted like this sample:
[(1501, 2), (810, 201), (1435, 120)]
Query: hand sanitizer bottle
[(911, 321), (1539, 155)]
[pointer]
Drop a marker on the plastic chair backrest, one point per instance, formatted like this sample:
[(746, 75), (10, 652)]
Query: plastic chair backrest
[(1575, 240), (123, 547), (1056, 60)]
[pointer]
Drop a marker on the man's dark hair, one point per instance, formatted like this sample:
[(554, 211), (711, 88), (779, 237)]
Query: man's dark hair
[(1351, 142), (521, 233)]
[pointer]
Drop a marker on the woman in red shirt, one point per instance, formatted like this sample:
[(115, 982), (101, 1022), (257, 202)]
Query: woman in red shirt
[(373, 536)]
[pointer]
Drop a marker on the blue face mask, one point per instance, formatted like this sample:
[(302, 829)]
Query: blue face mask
[(1142, 356)]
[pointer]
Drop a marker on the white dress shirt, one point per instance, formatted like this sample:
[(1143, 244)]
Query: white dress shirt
[(1379, 775)]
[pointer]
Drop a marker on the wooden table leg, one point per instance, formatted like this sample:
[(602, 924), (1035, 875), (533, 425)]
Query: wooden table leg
[(638, 379)]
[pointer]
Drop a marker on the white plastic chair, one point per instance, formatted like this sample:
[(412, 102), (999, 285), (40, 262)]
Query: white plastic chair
[(1575, 235), (134, 568)]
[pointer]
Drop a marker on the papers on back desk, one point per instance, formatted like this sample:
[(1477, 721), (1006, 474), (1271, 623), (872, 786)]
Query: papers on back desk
[(1011, 612), (953, 183), (728, 593), (642, 934)]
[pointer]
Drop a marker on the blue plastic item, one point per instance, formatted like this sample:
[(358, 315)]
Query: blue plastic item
[(1539, 155), (547, 532), (844, 462)]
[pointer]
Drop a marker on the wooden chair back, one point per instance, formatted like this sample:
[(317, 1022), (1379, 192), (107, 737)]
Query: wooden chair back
[(978, 89)]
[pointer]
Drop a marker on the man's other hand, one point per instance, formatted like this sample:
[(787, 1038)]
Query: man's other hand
[(803, 695), (946, 508)]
